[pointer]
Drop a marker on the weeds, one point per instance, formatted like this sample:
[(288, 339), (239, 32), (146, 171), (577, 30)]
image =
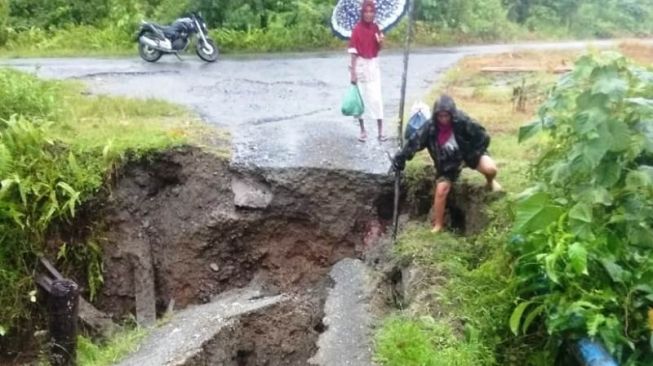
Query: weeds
[(111, 351), (427, 342), (56, 148)]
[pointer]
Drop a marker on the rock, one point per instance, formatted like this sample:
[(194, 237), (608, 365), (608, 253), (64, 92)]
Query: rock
[(411, 278), (214, 267), (348, 318), (251, 194), (182, 340)]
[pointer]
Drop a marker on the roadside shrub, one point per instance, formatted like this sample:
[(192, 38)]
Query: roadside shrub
[(26, 95)]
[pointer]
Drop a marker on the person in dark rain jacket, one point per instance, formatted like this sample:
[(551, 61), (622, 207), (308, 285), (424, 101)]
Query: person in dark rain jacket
[(453, 140)]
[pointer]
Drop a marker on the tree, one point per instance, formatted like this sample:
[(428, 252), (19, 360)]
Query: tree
[(4, 19), (56, 13)]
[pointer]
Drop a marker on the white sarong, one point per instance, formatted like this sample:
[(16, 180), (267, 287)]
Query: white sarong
[(368, 73)]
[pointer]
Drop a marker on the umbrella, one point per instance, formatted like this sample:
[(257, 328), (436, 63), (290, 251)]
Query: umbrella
[(348, 12)]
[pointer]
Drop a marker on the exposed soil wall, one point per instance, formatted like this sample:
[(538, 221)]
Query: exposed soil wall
[(179, 210)]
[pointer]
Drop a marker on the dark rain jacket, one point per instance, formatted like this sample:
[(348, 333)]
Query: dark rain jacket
[(472, 139)]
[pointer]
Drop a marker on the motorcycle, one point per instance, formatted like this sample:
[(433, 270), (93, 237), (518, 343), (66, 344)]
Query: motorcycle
[(155, 40)]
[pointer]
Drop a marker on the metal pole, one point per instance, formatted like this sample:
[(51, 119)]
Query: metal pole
[(402, 105)]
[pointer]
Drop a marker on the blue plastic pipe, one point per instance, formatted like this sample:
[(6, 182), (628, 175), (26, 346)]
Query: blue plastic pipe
[(592, 353)]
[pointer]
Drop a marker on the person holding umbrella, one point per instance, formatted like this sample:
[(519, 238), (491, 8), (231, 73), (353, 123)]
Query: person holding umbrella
[(364, 46)]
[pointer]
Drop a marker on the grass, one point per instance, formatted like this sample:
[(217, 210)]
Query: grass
[(69, 42), (468, 280), (638, 51), (111, 351), (426, 342), (129, 124)]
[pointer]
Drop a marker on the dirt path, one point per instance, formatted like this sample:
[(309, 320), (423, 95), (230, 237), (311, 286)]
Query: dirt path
[(282, 112)]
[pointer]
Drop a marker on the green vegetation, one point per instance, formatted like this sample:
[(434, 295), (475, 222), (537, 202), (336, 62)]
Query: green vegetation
[(106, 27), (583, 246), (468, 292), (426, 342), (569, 257), (110, 352), (56, 148)]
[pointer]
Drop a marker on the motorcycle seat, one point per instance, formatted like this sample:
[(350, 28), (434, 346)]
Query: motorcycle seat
[(166, 29)]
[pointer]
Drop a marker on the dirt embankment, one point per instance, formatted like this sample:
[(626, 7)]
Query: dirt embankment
[(209, 227)]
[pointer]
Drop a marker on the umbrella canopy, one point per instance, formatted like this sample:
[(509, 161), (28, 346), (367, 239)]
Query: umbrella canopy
[(348, 12)]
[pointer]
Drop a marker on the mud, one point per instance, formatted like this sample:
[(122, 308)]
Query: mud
[(466, 204), (284, 335), (178, 208)]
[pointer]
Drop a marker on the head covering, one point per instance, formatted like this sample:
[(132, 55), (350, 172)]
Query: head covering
[(367, 4), (444, 104), (363, 41)]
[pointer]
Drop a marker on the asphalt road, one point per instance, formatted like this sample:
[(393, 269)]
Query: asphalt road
[(282, 110)]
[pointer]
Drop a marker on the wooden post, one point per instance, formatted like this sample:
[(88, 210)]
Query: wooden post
[(63, 311)]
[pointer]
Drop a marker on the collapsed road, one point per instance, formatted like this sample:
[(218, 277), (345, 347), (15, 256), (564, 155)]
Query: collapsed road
[(262, 254)]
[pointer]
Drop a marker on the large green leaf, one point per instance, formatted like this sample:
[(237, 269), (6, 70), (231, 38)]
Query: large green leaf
[(578, 258), (620, 135), (532, 315), (588, 101), (608, 172), (594, 195), (515, 318), (582, 212), (642, 178), (536, 212), (594, 150), (588, 119), (616, 272), (607, 81), (529, 130)]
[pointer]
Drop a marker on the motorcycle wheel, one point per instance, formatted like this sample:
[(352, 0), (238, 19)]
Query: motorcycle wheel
[(148, 53), (208, 52)]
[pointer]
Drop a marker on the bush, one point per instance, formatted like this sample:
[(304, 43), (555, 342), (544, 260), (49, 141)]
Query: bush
[(57, 13), (26, 95), (4, 22), (72, 40), (583, 244), (41, 183)]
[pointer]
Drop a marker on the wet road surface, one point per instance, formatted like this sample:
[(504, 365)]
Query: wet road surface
[(282, 111)]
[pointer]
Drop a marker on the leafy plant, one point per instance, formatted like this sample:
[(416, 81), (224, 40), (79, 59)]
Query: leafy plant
[(34, 192), (25, 95), (56, 148), (584, 231), (110, 352)]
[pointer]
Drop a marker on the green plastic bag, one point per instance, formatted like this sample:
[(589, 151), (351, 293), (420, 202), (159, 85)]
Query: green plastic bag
[(352, 104)]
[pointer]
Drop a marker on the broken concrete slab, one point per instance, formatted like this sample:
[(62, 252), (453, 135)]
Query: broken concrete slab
[(144, 286), (182, 341), (95, 321), (348, 319), (251, 194)]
